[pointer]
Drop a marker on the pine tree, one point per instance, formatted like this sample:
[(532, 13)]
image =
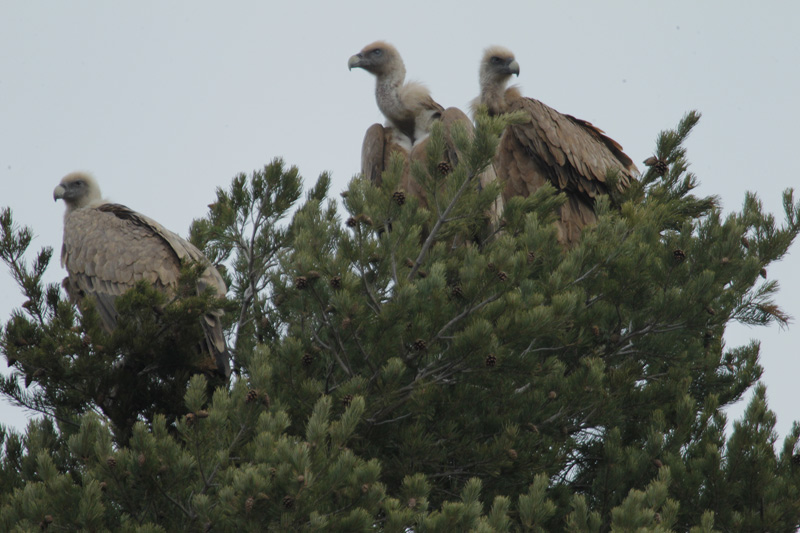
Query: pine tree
[(399, 367)]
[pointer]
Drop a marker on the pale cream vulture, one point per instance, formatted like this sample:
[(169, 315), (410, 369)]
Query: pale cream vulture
[(108, 248), (410, 112), (550, 147)]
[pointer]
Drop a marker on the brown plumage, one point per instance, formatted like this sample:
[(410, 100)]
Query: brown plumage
[(550, 147), (407, 106), (410, 113), (108, 248)]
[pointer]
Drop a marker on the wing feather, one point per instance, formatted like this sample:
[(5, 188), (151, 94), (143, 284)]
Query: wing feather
[(109, 248)]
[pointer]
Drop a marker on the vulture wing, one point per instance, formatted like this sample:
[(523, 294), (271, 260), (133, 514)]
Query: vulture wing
[(109, 248), (571, 154)]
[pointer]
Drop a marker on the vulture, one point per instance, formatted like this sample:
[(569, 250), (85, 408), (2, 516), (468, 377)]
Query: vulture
[(549, 147), (108, 248), (410, 112)]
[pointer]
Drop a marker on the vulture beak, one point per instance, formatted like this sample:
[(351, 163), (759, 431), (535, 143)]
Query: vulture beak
[(58, 193), (513, 67), (354, 61)]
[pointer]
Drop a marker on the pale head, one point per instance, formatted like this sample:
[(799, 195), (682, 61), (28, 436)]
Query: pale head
[(78, 190), (497, 65), (379, 58)]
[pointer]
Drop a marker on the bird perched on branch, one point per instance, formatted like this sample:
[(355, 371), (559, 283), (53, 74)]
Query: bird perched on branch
[(550, 147), (108, 248), (410, 113)]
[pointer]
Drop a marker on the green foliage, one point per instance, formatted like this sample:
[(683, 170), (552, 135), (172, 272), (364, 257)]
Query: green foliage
[(400, 367), (242, 229)]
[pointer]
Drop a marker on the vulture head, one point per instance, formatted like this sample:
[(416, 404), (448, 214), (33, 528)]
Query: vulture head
[(497, 65), (379, 58), (78, 190)]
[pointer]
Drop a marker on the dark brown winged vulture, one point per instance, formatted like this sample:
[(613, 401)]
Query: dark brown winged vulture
[(109, 247), (410, 112), (570, 153)]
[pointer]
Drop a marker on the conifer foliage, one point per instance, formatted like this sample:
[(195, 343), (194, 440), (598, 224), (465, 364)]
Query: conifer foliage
[(400, 368)]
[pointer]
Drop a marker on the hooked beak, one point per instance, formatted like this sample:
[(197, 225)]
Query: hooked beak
[(513, 67), (354, 62), (58, 193)]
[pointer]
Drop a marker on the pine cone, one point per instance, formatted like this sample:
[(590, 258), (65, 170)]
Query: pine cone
[(111, 462), (248, 504), (351, 222), (596, 331), (300, 282), (409, 263), (679, 255), (202, 413), (189, 419), (512, 454), (491, 267), (763, 273), (552, 395), (412, 502), (420, 345), (307, 359), (312, 275), (531, 257), (336, 282), (346, 321), (103, 486), (399, 197), (491, 360), (288, 502), (659, 165), (457, 291), (347, 399), (141, 460), (502, 276), (444, 168), (252, 395), (724, 260), (745, 242)]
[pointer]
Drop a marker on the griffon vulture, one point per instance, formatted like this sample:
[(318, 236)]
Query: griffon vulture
[(410, 113), (109, 247), (571, 154)]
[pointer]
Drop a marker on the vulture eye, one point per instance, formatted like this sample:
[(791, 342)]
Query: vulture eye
[(377, 52), (496, 60)]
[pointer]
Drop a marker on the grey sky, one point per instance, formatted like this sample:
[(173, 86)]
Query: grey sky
[(164, 101)]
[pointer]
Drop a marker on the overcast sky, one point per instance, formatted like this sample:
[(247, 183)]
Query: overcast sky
[(165, 101)]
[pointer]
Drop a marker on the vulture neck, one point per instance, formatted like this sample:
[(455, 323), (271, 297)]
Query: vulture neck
[(493, 96), (92, 200), (388, 89)]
